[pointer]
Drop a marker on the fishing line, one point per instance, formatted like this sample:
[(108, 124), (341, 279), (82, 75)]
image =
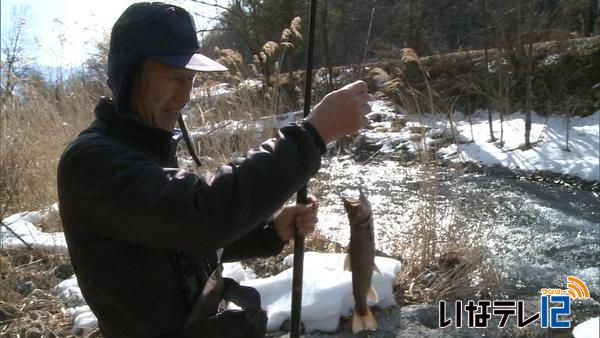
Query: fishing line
[(367, 42)]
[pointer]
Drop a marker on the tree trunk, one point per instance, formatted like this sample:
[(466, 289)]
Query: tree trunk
[(528, 99), (568, 126), (411, 25), (487, 71), (591, 18), (505, 94), (326, 47)]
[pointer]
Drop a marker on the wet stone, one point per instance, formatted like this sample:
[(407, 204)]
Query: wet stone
[(361, 157)]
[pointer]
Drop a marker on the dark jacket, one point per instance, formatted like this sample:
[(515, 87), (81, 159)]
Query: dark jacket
[(142, 234)]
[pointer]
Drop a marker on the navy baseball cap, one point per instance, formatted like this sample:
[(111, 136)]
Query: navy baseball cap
[(161, 31), (154, 30)]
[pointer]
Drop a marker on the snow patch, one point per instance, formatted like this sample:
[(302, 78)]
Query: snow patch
[(588, 329), (548, 134), (23, 231), (326, 291)]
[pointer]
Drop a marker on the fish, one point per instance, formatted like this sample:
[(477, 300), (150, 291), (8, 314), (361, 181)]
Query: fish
[(361, 261)]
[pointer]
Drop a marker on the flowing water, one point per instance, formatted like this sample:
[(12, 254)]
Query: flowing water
[(538, 232)]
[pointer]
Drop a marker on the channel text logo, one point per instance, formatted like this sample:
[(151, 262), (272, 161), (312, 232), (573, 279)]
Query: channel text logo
[(555, 304)]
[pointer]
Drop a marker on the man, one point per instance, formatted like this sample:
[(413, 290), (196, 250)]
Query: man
[(146, 238)]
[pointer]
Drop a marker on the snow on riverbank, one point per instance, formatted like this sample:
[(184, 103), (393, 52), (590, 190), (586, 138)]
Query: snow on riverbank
[(327, 292), (473, 140), (24, 228), (549, 154), (324, 279)]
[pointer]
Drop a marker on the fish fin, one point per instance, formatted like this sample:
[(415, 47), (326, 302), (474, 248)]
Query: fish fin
[(370, 321), (376, 269), (367, 322), (372, 295), (357, 323), (347, 266)]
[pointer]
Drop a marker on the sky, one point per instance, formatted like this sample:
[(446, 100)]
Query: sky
[(65, 32)]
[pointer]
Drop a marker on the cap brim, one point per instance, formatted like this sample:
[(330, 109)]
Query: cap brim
[(197, 62)]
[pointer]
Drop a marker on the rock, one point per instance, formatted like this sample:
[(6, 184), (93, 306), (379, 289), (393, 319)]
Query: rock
[(64, 271), (377, 117), (6, 314), (362, 156), (36, 314), (34, 332), (286, 326), (440, 143), (428, 316), (25, 288), (397, 124), (417, 128), (415, 137)]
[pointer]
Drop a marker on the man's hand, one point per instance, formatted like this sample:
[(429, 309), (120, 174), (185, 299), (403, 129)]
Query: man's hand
[(301, 216), (341, 112)]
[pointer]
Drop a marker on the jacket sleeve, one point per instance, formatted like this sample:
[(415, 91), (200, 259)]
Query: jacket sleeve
[(262, 241), (123, 194)]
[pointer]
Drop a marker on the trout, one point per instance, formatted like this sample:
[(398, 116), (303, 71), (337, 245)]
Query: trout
[(361, 261)]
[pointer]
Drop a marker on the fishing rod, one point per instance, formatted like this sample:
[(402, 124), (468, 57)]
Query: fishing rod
[(303, 192)]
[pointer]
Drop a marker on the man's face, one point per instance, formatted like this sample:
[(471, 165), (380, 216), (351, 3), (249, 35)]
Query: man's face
[(160, 93)]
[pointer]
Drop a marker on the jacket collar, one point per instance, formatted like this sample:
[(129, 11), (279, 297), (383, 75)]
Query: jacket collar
[(155, 140)]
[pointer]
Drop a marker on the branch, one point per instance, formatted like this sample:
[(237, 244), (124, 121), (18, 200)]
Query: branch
[(213, 29), (16, 235), (214, 4)]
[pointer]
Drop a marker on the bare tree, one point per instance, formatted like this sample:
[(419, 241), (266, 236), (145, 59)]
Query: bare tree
[(13, 52)]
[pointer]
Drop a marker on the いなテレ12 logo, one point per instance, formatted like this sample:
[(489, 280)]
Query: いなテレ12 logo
[(555, 304)]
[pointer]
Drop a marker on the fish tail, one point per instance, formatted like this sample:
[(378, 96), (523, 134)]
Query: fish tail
[(366, 322)]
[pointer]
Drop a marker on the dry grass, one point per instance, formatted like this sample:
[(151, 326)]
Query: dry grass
[(228, 125), (238, 111), (270, 266), (35, 128), (443, 258), (28, 305)]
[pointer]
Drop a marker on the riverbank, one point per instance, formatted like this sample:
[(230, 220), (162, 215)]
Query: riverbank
[(565, 147)]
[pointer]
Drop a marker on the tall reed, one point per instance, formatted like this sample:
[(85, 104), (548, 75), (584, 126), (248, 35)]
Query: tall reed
[(35, 128)]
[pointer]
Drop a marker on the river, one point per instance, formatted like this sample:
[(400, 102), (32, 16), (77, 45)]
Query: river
[(538, 233)]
